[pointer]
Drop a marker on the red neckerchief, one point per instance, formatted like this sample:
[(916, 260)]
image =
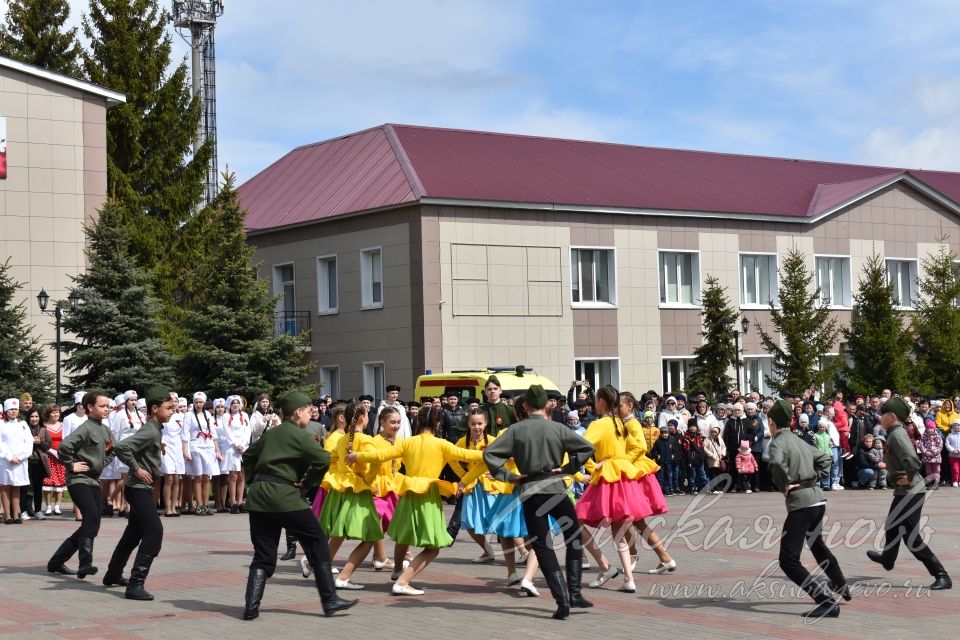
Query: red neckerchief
[(206, 435)]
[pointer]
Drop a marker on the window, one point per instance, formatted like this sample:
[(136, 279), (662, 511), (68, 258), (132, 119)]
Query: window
[(327, 284), (599, 371), (679, 278), (371, 278), (756, 370), (758, 280), (593, 276), (833, 278), (675, 373), (373, 377), (284, 285), (902, 274), (330, 381)]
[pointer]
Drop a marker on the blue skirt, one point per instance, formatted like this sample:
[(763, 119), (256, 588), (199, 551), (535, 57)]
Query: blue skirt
[(476, 510), (506, 516)]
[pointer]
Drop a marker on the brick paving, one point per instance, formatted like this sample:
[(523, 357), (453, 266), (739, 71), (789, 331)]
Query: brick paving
[(726, 586)]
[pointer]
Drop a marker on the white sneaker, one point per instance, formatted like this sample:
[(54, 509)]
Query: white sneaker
[(483, 558), (528, 588), (628, 586), (49, 510), (669, 567), (604, 577), (56, 509), (25, 516), (305, 568), (585, 564), (956, 484), (514, 578), (835, 487), (407, 590), (346, 584), (39, 515), (749, 491), (379, 566), (334, 571), (395, 575)]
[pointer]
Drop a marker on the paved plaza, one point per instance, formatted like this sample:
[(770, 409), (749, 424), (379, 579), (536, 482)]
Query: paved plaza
[(727, 585)]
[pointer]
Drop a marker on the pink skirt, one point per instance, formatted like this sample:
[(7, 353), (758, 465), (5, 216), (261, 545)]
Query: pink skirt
[(607, 502), (385, 508), (318, 502)]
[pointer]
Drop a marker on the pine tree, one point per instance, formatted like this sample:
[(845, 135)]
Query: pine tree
[(22, 367), (936, 324), (878, 342), (806, 327), (117, 344), (713, 358), (150, 137), (229, 342), (34, 33)]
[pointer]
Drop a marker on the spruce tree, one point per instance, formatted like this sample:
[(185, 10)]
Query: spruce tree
[(150, 164), (878, 341), (713, 358), (33, 32), (936, 324), (806, 327), (117, 345), (22, 366), (229, 344)]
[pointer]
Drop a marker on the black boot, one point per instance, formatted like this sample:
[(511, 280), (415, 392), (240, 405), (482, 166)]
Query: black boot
[(328, 591), (826, 604), (86, 567), (941, 580), (60, 556), (256, 583), (574, 573), (558, 588), (138, 575), (453, 527), (291, 548), (114, 575), (877, 557)]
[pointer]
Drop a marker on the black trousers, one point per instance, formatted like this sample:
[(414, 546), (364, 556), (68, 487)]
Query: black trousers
[(37, 474), (536, 508), (265, 530), (87, 499), (804, 525), (143, 527), (903, 524)]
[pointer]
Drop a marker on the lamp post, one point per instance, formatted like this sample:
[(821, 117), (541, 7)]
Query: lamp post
[(43, 298), (728, 326)]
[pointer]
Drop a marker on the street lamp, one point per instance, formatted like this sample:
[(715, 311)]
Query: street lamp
[(43, 298), (744, 327)]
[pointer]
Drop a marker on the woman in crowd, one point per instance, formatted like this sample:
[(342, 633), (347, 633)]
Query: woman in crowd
[(16, 444), (174, 442), (716, 452), (235, 432), (38, 465), (263, 417), (418, 520), (56, 482)]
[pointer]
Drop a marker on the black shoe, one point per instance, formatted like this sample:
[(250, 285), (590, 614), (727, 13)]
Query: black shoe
[(574, 573), (558, 589), (57, 561), (138, 575), (256, 583), (843, 591), (942, 582), (62, 569), (290, 554), (114, 581), (826, 609), (234, 509), (86, 567), (323, 578), (877, 557)]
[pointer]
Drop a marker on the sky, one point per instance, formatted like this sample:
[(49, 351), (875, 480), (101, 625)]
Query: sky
[(874, 82)]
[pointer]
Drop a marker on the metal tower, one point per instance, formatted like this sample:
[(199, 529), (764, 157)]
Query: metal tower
[(199, 19)]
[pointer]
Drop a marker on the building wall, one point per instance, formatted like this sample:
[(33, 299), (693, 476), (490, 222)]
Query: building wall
[(352, 336), (56, 182)]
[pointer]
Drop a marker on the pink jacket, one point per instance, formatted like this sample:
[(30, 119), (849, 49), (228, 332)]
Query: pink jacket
[(746, 463)]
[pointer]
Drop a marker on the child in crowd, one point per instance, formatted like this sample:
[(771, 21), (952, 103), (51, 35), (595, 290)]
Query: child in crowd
[(716, 454), (746, 466), (666, 455), (821, 440), (930, 448), (952, 445), (878, 443), (695, 458)]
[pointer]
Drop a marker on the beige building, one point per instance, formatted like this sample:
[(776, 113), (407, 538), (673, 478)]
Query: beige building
[(55, 148), (407, 249)]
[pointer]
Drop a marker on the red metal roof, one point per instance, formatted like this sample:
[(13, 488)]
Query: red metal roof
[(395, 164)]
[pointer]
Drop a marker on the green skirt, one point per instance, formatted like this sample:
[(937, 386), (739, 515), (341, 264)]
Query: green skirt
[(346, 514), (418, 521)]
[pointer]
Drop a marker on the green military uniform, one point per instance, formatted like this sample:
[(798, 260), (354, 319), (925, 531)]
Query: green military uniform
[(91, 443), (499, 416), (903, 519), (796, 468), (141, 451), (284, 461)]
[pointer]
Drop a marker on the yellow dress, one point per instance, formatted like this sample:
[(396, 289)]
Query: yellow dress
[(348, 509)]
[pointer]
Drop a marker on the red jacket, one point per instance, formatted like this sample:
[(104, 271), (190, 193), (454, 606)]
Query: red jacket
[(746, 463)]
